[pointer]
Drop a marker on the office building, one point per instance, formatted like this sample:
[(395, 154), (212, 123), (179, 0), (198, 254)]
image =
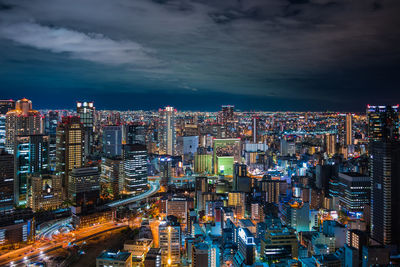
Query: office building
[(349, 130), (114, 259), (31, 156), (134, 134), (239, 171), (227, 114), (84, 186), (271, 189), (70, 145), (354, 191), (245, 255), (16, 227), (112, 140), (200, 255), (178, 207), (165, 170), (237, 201), (225, 153), (255, 128), (153, 258), (51, 123), (86, 113), (279, 242), (6, 181), (22, 120), (384, 150), (112, 177), (330, 144), (169, 232), (45, 192), (167, 131), (135, 168)]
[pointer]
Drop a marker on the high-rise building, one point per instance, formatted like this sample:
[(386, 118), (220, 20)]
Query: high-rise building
[(112, 175), (112, 140), (135, 168), (349, 130), (227, 114), (246, 253), (239, 171), (384, 150), (354, 191), (134, 134), (86, 113), (165, 170), (330, 144), (383, 123), (200, 255), (51, 123), (255, 129), (6, 180), (31, 156), (45, 192), (167, 131), (84, 186), (271, 189), (2, 131), (279, 242), (6, 106), (22, 120), (170, 242), (178, 207), (70, 145)]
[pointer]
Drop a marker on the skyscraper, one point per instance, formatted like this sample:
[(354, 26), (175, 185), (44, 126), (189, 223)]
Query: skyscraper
[(349, 130), (255, 129), (51, 120), (86, 113), (170, 242), (31, 156), (384, 148), (22, 120), (134, 134), (6, 180), (330, 144), (135, 168), (166, 131), (112, 140), (70, 145), (227, 114)]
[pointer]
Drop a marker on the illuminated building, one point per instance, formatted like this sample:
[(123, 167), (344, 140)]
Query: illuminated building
[(187, 147), (296, 214), (239, 171), (86, 113), (51, 123), (255, 129), (288, 148), (83, 217), (271, 189), (354, 191), (167, 131), (279, 242), (112, 140), (114, 259), (16, 226), (2, 131), (84, 186), (31, 156), (200, 255), (227, 114), (330, 144), (134, 159), (202, 161), (153, 258), (70, 145), (22, 120), (45, 192), (384, 150), (112, 175), (245, 255), (170, 242), (237, 200), (6, 106), (134, 134), (178, 207), (165, 170), (349, 130), (6, 180), (225, 153)]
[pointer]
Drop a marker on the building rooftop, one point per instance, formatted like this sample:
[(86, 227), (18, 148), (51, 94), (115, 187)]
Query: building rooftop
[(114, 256)]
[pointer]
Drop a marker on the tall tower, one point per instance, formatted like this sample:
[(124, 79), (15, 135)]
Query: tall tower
[(384, 149), (69, 147), (349, 130), (86, 113), (6, 180), (166, 131), (255, 129), (134, 159), (22, 120), (227, 114)]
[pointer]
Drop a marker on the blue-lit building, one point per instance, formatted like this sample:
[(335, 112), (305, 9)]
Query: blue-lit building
[(112, 140), (6, 180), (114, 259), (245, 255), (134, 159)]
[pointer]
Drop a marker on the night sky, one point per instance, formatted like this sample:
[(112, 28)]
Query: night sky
[(198, 54)]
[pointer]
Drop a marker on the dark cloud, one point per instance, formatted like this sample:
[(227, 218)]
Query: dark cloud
[(303, 51)]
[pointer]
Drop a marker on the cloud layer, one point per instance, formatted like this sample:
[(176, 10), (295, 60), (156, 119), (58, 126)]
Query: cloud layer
[(285, 49)]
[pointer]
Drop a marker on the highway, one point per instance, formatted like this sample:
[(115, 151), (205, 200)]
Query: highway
[(154, 187)]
